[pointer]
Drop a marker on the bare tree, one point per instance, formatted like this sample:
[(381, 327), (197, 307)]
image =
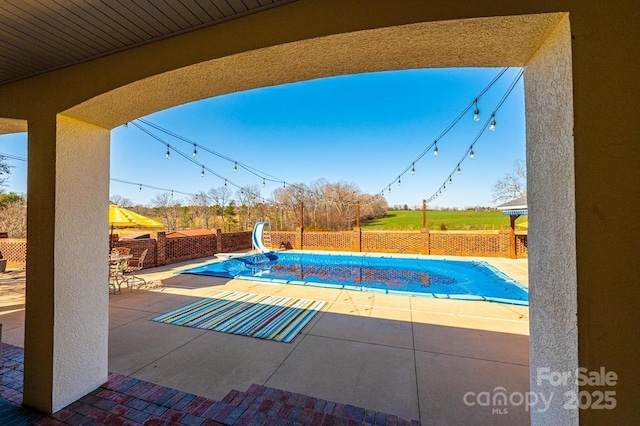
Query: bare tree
[(511, 185), (5, 171), (249, 197), (13, 218), (220, 198), (168, 209), (121, 201)]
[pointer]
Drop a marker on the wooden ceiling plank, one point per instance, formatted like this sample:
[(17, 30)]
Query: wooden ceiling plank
[(96, 22), (125, 16), (153, 16), (197, 9), (238, 6), (251, 4), (224, 8), (64, 18), (165, 7), (112, 18), (36, 45), (30, 24), (211, 9)]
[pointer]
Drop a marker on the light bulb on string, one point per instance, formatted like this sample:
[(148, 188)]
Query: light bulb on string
[(450, 180), (126, 126), (225, 183), (389, 189), (195, 151), (476, 112), (435, 151), (413, 168), (235, 167), (492, 127), (398, 180), (459, 171), (202, 172), (471, 154), (168, 154), (264, 183), (140, 188)]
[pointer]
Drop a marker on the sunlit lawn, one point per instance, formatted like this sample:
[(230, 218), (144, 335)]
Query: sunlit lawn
[(437, 220)]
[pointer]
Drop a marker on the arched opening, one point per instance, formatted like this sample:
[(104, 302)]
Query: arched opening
[(540, 43)]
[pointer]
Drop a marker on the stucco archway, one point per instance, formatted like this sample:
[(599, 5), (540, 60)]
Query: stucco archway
[(539, 43)]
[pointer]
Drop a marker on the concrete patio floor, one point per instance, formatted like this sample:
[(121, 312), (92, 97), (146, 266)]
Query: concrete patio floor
[(410, 356)]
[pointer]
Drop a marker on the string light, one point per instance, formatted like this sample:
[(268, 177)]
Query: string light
[(140, 189), (389, 189), (168, 154), (225, 183), (452, 124), (476, 112), (492, 123), (126, 126), (235, 167), (435, 151), (195, 150), (413, 169), (398, 181), (202, 172), (264, 183)]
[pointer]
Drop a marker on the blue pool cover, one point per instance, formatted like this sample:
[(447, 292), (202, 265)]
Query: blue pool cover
[(453, 279)]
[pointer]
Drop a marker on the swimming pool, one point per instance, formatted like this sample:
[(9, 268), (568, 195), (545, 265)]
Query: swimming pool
[(453, 279)]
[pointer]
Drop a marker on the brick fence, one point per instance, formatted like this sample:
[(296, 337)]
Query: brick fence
[(485, 244), (163, 251)]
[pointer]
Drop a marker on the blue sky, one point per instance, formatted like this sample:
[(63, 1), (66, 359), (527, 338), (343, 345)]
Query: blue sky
[(364, 129)]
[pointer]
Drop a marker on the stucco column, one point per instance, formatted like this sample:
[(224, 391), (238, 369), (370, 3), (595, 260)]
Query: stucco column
[(552, 237), (66, 320)]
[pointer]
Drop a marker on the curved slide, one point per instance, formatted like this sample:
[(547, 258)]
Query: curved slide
[(258, 231)]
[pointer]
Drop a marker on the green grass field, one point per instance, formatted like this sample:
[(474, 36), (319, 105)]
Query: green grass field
[(400, 220)]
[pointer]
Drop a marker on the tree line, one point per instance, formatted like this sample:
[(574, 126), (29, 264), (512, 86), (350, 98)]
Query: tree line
[(327, 206)]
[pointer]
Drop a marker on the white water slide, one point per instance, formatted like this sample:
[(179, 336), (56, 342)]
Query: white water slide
[(257, 238)]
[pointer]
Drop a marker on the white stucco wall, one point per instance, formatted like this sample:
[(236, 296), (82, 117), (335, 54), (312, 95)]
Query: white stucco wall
[(552, 238)]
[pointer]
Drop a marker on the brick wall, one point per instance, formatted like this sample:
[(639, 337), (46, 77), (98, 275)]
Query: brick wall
[(232, 241), (283, 240), (137, 247), (485, 244), (494, 244), (521, 245), (187, 248), (391, 242), (15, 251), (172, 250), (340, 241)]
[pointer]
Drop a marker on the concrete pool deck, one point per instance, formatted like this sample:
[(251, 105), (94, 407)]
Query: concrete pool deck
[(411, 356)]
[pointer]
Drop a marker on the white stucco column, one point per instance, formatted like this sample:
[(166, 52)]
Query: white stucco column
[(552, 235), (66, 324)]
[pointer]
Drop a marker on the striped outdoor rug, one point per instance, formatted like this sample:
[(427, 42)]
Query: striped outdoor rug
[(256, 315)]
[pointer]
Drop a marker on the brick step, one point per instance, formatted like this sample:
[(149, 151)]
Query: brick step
[(264, 405)]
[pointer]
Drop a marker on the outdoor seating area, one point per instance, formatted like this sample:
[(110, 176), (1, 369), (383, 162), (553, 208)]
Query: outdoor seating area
[(123, 267)]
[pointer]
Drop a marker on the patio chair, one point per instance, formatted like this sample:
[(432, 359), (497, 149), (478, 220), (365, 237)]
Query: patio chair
[(131, 268)]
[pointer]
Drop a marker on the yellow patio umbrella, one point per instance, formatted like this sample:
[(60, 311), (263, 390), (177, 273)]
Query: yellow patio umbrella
[(119, 216)]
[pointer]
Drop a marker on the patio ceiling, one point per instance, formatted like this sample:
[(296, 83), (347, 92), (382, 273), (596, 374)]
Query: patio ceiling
[(48, 34)]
